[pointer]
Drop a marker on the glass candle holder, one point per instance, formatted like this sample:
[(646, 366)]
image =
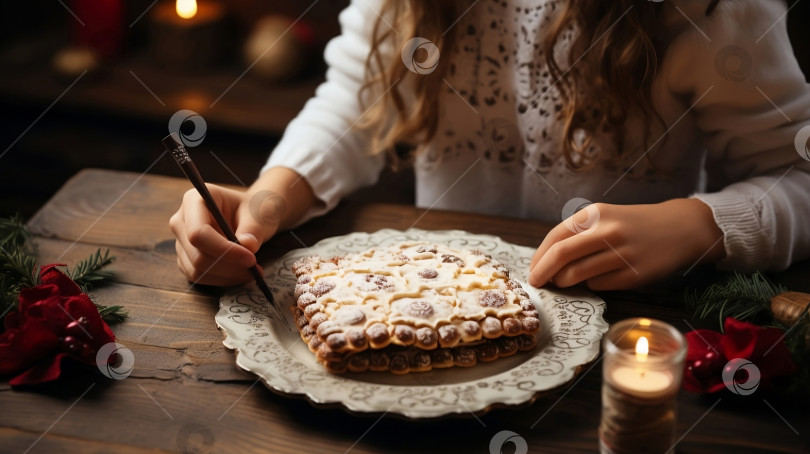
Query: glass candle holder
[(641, 375)]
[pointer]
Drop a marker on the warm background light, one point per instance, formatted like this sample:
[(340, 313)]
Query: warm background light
[(186, 8)]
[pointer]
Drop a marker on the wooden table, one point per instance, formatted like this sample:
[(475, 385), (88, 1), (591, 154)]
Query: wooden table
[(185, 383)]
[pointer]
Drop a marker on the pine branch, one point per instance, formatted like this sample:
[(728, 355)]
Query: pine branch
[(17, 271), (112, 314), (744, 297), (13, 233), (88, 273)]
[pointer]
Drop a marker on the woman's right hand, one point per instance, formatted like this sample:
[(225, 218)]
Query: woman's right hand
[(277, 200), (204, 255)]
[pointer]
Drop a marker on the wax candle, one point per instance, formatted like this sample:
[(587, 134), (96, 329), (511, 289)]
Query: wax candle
[(642, 371), (188, 34), (98, 25)]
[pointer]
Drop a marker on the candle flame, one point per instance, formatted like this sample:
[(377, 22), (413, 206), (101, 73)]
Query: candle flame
[(642, 348), (186, 8)]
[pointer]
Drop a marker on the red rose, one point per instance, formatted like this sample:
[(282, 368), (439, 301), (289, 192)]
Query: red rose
[(55, 320), (712, 355)]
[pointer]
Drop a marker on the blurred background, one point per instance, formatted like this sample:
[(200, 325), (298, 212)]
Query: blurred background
[(93, 83)]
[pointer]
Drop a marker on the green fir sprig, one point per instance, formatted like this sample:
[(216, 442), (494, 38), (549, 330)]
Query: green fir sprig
[(744, 297), (17, 264), (13, 233), (89, 273), (18, 270)]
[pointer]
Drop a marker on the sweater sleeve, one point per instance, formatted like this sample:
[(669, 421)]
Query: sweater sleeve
[(321, 143), (754, 112)]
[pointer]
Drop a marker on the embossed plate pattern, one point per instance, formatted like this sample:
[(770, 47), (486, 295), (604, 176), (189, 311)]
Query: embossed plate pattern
[(571, 328)]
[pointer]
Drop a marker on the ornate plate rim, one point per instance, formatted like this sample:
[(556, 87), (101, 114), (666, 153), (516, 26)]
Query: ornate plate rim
[(522, 394)]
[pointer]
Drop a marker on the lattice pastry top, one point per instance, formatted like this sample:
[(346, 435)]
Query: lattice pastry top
[(408, 294)]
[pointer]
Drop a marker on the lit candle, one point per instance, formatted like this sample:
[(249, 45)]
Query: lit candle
[(643, 366), (639, 379)]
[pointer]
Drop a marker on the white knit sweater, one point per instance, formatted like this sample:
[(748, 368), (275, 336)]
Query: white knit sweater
[(729, 90)]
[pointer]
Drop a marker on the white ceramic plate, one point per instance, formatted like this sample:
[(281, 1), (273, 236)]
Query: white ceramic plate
[(571, 319)]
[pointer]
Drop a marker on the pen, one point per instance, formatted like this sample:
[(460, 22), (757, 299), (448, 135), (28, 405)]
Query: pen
[(178, 150)]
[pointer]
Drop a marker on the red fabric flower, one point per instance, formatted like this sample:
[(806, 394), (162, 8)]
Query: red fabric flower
[(712, 355), (55, 320)]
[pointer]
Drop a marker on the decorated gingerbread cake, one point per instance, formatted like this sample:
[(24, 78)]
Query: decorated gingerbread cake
[(411, 307)]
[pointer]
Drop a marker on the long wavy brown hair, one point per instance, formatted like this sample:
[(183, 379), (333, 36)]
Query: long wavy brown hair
[(613, 61)]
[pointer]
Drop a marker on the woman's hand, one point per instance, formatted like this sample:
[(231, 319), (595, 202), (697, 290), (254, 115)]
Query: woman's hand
[(278, 198), (204, 255), (611, 247)]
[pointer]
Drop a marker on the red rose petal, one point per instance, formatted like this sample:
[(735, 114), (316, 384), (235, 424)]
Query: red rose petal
[(23, 347), (739, 338), (699, 343), (49, 369), (100, 333), (32, 337), (50, 274)]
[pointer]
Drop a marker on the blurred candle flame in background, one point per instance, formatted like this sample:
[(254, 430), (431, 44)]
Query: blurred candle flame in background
[(186, 8)]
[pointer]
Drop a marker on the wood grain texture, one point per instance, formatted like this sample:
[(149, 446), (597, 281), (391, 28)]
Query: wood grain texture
[(156, 268), (112, 209), (186, 394)]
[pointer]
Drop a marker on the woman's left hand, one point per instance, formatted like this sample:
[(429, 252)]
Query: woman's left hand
[(612, 247)]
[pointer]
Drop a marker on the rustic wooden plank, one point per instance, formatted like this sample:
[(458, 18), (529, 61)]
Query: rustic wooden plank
[(17, 440), (242, 418), (171, 334), (112, 208), (156, 268), (239, 418)]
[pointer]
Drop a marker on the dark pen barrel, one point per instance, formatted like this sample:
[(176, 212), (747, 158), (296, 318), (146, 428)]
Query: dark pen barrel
[(178, 150)]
